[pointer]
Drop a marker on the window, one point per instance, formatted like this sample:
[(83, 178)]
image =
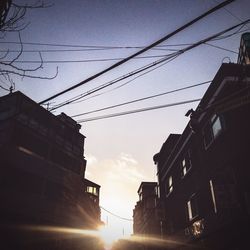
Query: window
[(192, 207), (186, 164), (212, 129), (216, 125), (213, 195), (169, 187), (140, 196), (92, 190), (157, 191)]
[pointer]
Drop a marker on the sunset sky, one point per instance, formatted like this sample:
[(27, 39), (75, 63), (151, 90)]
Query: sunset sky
[(120, 150)]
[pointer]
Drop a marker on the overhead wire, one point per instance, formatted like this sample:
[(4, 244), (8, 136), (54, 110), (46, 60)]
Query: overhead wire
[(137, 71), (141, 99), (227, 100), (219, 47), (230, 12), (112, 82), (103, 59), (232, 34), (83, 95), (59, 45), (163, 47), (75, 102), (217, 7), (89, 46), (115, 215), (137, 110), (125, 83), (86, 60), (155, 63)]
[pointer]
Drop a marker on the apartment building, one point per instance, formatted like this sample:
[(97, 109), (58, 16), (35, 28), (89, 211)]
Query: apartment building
[(42, 181)]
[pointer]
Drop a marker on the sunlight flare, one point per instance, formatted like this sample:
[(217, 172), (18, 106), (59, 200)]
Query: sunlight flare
[(108, 235)]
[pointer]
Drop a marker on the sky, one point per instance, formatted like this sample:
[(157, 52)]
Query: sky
[(120, 150)]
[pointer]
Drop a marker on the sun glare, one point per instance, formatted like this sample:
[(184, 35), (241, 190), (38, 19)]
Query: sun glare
[(105, 233), (108, 236)]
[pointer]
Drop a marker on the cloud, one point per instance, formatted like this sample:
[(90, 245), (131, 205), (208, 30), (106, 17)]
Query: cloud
[(119, 178), (91, 163), (91, 159), (128, 158), (123, 168)]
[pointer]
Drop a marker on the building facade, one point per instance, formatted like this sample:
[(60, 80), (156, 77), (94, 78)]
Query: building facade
[(145, 215), (203, 174), (42, 182)]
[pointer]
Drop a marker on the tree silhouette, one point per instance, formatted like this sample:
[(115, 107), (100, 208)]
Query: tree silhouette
[(12, 17)]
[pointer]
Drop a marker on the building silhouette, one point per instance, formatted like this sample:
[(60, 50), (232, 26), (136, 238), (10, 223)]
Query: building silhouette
[(203, 174), (42, 181), (145, 215)]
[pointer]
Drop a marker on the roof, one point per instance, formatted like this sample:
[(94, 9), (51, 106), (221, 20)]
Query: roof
[(62, 118), (166, 148), (227, 71), (88, 182), (146, 183)]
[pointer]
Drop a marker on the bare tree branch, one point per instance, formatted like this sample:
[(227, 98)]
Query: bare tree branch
[(4, 88), (23, 74), (38, 5), (12, 20), (15, 13)]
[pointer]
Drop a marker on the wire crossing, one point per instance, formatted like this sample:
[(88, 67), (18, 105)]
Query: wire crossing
[(161, 61), (217, 7), (138, 110), (142, 99)]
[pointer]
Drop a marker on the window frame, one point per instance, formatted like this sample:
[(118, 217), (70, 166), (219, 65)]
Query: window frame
[(169, 185), (192, 207), (209, 133), (92, 190), (185, 168)]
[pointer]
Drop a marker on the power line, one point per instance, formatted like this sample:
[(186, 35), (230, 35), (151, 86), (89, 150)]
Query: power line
[(85, 46), (115, 215), (59, 45), (230, 13), (170, 57), (103, 59), (137, 110), (86, 60), (142, 99), (105, 85), (219, 47), (219, 6), (123, 84), (227, 100), (215, 46), (162, 47), (234, 33), (55, 50)]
